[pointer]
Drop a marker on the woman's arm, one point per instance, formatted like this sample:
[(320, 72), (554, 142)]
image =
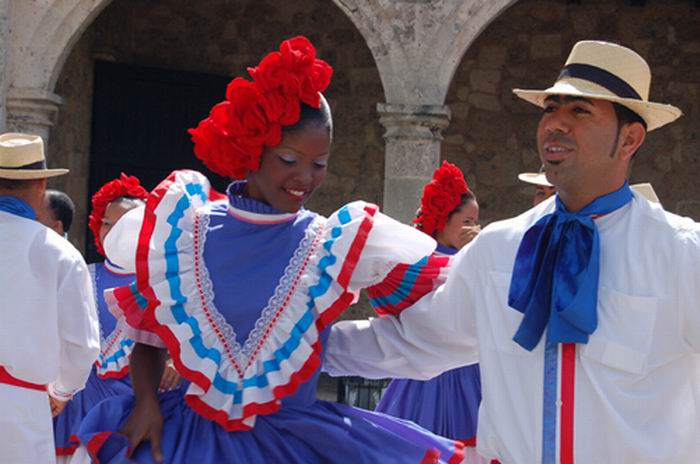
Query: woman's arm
[(146, 422)]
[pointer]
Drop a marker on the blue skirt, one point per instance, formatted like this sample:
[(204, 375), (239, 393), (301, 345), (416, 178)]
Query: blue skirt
[(446, 405), (65, 425), (321, 432)]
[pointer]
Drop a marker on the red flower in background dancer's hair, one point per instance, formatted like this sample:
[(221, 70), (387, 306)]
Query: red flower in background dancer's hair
[(124, 186), (231, 140), (440, 197)]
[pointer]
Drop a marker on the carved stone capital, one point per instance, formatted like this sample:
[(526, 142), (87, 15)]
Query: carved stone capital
[(418, 123), (32, 110)]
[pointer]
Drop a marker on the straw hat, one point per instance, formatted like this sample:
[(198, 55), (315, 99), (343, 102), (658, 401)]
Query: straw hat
[(535, 178), (647, 191), (607, 71), (22, 158)]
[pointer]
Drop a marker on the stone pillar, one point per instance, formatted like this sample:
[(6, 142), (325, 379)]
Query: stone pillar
[(5, 57), (32, 111), (413, 136)]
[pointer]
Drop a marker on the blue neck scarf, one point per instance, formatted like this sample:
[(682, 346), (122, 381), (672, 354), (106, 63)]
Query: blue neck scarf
[(555, 277), (14, 205)]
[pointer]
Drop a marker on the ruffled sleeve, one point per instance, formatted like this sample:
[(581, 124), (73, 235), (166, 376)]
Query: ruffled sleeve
[(397, 265), (156, 242)]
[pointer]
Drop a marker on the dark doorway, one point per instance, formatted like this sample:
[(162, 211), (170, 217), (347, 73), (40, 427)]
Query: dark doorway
[(140, 121)]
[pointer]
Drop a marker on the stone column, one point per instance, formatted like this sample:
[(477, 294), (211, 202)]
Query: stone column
[(32, 111), (413, 136), (5, 57)]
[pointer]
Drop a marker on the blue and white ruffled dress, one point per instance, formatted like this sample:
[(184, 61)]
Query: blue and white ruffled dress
[(241, 295), (110, 375)]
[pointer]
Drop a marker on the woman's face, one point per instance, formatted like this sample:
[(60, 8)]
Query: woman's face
[(292, 171), (461, 227), (113, 213)]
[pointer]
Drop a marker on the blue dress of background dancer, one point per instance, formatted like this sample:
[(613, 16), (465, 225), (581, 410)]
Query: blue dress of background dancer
[(447, 405), (110, 375), (253, 372)]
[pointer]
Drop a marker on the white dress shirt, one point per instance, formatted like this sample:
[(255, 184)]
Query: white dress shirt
[(630, 395), (49, 332)]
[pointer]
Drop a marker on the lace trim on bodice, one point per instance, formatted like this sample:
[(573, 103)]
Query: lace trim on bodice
[(241, 356)]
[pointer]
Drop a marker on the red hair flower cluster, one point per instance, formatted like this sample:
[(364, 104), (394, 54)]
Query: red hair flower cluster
[(440, 197), (124, 186), (231, 140)]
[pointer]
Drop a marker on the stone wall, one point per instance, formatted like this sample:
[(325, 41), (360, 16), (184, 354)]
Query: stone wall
[(223, 37), (492, 134)]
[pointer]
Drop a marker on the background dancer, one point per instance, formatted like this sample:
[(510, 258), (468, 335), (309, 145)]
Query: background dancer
[(448, 404), (109, 376)]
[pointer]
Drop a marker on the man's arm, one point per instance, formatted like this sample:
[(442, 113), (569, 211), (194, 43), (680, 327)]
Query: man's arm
[(78, 330), (689, 286), (436, 334)]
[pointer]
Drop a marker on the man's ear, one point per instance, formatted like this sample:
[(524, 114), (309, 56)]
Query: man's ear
[(632, 137)]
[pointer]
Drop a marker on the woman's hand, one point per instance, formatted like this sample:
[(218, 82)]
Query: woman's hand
[(145, 424), (57, 406), (467, 234), (146, 421), (171, 378)]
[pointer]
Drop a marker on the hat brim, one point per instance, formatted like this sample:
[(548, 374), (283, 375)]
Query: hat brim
[(647, 191), (535, 178), (29, 174), (654, 114)]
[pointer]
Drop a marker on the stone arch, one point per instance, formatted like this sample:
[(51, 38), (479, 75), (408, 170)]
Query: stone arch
[(42, 42), (415, 71)]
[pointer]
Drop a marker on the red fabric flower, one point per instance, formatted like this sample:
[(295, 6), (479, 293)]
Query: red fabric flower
[(231, 140), (441, 196), (124, 186)]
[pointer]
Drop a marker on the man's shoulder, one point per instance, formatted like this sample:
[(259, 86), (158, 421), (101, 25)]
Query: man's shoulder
[(54, 244), (661, 220)]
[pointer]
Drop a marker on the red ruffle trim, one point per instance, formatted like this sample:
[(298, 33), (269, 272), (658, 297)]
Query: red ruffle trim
[(424, 283), (120, 374), (432, 456)]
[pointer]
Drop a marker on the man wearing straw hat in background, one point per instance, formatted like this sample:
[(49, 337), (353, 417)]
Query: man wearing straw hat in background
[(583, 312), (544, 190), (49, 335)]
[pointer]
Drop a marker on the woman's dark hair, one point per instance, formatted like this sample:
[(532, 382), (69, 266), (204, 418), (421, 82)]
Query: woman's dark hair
[(464, 199), (313, 117)]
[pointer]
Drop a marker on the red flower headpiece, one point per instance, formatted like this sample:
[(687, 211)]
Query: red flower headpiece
[(440, 197), (231, 140), (124, 186)]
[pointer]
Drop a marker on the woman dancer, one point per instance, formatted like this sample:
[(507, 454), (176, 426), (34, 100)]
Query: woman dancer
[(109, 376), (447, 404), (241, 288)]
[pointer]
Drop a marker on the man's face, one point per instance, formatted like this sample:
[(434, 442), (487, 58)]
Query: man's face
[(542, 193), (578, 142)]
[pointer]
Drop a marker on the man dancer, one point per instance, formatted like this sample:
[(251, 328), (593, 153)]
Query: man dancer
[(49, 335), (584, 311)]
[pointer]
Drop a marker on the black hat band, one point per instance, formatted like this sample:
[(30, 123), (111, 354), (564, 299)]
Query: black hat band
[(601, 77)]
